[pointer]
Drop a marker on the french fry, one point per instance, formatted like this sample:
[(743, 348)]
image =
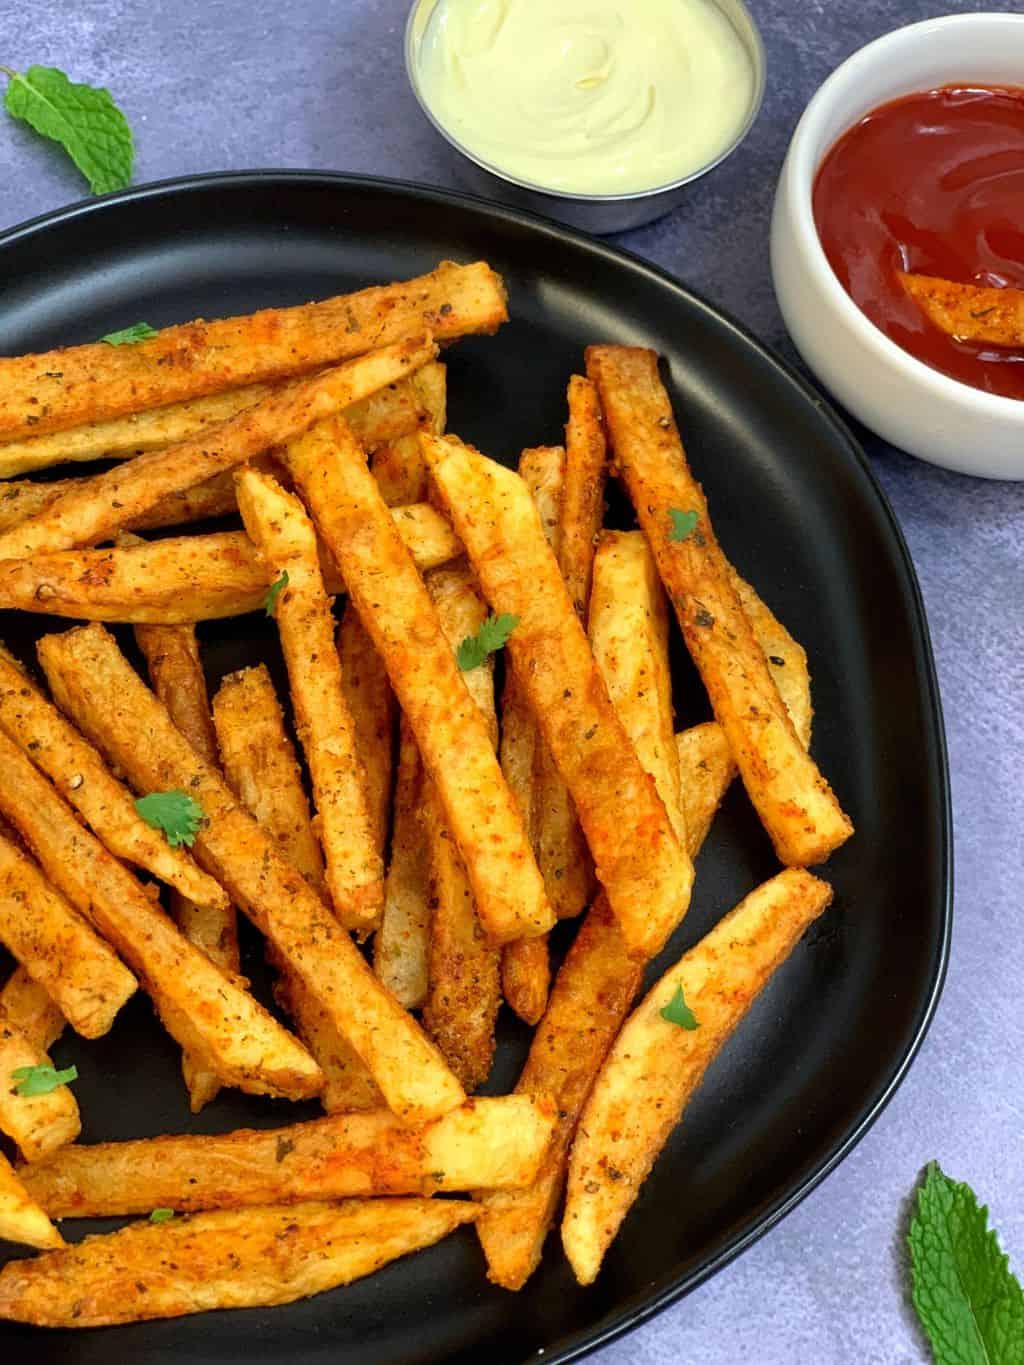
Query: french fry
[(787, 660), (22, 1220), (330, 469), (706, 771), (792, 798), (401, 949), (38, 1124), (57, 948), (646, 873), (92, 681), (629, 637), (22, 499), (486, 1143), (31, 1010), (202, 1008), (101, 506), (240, 1258), (526, 977), (586, 469), (94, 383), (182, 579), (78, 771), (655, 1065), (349, 1086), (970, 312), (464, 992), (371, 703), (282, 531), (398, 465)]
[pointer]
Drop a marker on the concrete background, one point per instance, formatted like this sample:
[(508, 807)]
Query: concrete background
[(227, 84)]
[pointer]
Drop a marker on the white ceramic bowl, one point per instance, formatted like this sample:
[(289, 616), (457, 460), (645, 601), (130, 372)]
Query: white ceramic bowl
[(911, 405)]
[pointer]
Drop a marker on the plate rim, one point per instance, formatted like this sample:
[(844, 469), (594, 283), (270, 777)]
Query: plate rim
[(641, 1307)]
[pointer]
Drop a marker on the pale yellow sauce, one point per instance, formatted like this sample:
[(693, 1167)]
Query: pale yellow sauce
[(587, 96)]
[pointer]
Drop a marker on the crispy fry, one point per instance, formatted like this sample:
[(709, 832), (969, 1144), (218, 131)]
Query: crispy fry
[(526, 977), (22, 1220), (39, 1124), (31, 1010), (645, 871), (182, 579), (92, 680), (371, 703), (240, 1258), (349, 1086), (787, 660), (99, 507), (970, 312), (402, 944), (93, 383), (202, 1008), (80, 774), (282, 531), (486, 1143), (586, 469), (330, 469), (655, 1066), (50, 939), (24, 498), (792, 798), (464, 993), (398, 465), (706, 770)]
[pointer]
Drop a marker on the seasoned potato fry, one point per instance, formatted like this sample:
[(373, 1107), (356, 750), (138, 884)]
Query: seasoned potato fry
[(93, 383), (330, 469), (182, 579), (629, 637), (401, 949), (57, 749), (101, 506), (39, 1124), (787, 660), (201, 1007), (24, 498), (92, 681), (487, 1143), (586, 469), (371, 702), (970, 312), (282, 531), (57, 948), (645, 871), (526, 977), (240, 1258), (22, 1220), (464, 991), (349, 1086), (792, 798), (655, 1066), (31, 1010), (706, 771), (398, 465)]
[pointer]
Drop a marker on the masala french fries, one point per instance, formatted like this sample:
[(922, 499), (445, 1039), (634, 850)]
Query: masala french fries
[(91, 383), (240, 1258), (398, 465), (586, 470), (37, 1124), (92, 681), (31, 1010), (201, 1007), (655, 1064), (792, 798), (787, 660), (371, 704), (349, 1086), (101, 506), (22, 1220), (526, 977), (22, 499), (484, 1144), (401, 948), (706, 771), (279, 526), (183, 579), (645, 871), (51, 940), (970, 312), (330, 470)]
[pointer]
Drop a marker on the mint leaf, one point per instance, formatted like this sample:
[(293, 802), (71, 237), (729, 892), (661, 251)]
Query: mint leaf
[(274, 592), (683, 524), (677, 1011), (42, 1079), (161, 1215), (970, 1305), (83, 118), (127, 336), (492, 636), (175, 813)]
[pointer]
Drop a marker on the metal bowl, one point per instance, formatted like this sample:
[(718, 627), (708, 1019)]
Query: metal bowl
[(598, 213)]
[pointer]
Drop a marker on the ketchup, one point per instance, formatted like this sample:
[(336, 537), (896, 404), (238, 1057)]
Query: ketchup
[(933, 184)]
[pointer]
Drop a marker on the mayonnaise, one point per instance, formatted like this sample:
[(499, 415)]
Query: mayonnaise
[(587, 96)]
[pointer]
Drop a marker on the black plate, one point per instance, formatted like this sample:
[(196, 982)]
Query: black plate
[(800, 514)]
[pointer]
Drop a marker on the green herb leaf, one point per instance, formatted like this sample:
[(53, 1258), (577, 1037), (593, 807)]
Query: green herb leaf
[(161, 1215), (173, 812), (42, 1079), (82, 118), (970, 1305), (492, 636), (683, 524), (273, 593), (127, 336), (677, 1011)]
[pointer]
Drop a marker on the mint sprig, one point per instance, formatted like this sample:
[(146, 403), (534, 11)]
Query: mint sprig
[(83, 118)]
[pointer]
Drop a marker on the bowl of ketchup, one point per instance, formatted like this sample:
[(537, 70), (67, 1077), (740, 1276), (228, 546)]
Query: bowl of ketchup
[(898, 222)]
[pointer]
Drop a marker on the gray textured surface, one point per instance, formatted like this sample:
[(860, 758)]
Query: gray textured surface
[(242, 83)]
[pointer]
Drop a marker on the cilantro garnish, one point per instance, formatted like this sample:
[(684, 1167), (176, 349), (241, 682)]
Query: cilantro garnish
[(42, 1079), (274, 592), (492, 636), (677, 1011), (683, 524), (175, 813), (127, 336)]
